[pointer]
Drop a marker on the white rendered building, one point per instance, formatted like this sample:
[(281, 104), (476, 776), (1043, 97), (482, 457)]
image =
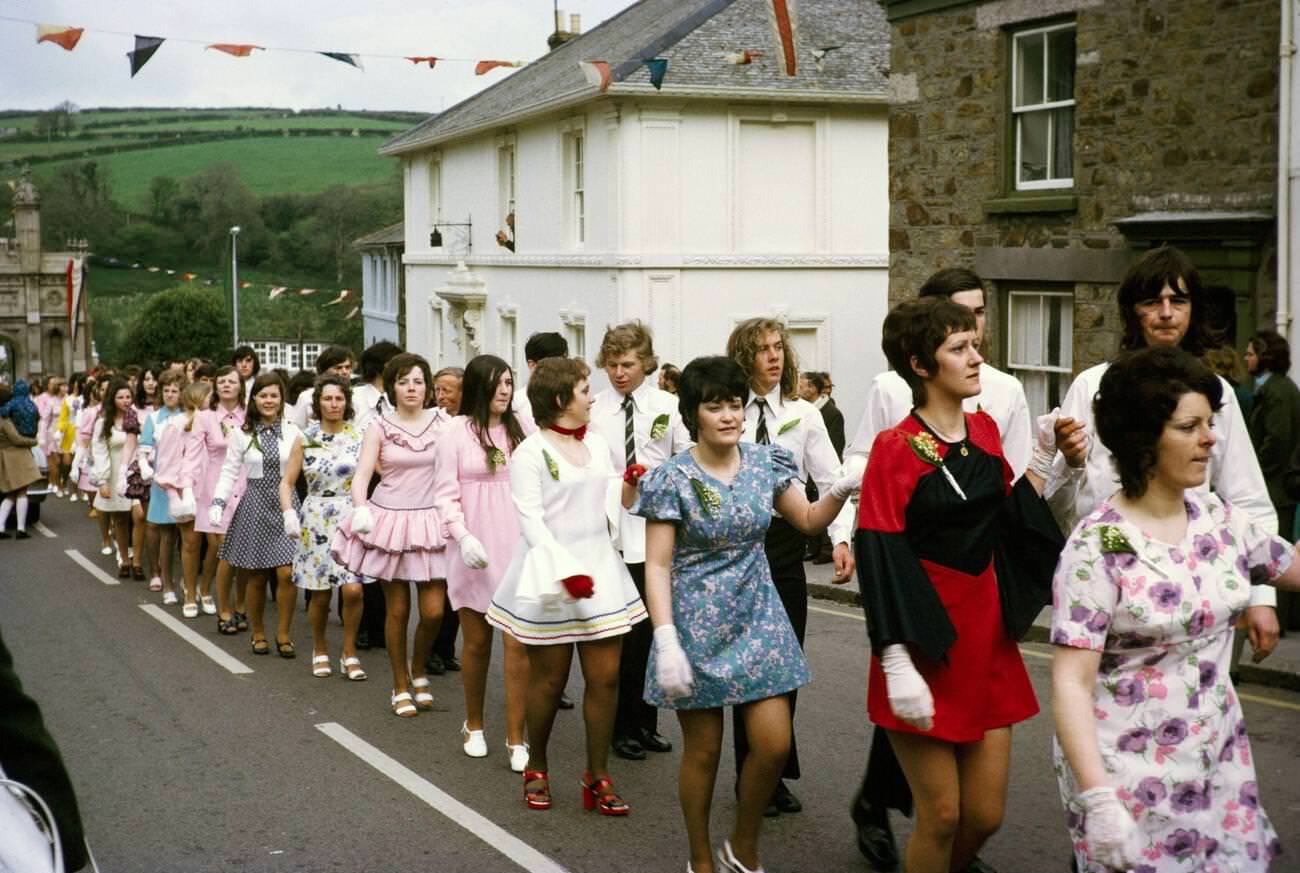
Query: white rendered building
[(734, 191)]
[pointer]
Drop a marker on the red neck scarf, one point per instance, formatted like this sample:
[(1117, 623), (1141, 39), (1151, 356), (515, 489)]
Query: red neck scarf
[(579, 432)]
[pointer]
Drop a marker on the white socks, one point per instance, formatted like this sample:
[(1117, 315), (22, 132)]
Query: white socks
[(22, 513), (5, 505)]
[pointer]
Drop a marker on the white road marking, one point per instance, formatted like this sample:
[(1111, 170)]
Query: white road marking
[(857, 616), (90, 567), (176, 626), (44, 531), (495, 836)]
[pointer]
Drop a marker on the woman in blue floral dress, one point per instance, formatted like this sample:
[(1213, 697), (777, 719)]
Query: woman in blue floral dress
[(331, 448), (722, 637), (1152, 757)]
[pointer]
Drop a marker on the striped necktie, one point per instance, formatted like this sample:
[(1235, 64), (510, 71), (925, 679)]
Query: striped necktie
[(629, 438), (760, 435)]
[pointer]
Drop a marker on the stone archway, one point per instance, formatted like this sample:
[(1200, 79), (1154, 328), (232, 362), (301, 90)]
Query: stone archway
[(9, 352)]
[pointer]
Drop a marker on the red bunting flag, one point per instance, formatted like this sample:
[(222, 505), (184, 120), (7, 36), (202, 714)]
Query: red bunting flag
[(487, 66), (430, 60), (597, 73), (239, 50), (60, 35), (785, 29), (742, 58), (189, 277)]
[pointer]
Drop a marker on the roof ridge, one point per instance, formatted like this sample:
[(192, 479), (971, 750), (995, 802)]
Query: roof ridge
[(684, 29)]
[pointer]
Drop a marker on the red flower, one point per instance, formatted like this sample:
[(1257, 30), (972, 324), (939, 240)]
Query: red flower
[(579, 586), (633, 474)]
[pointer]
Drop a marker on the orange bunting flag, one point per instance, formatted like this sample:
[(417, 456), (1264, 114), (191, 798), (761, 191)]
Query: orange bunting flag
[(343, 295), (597, 73), (742, 58), (60, 35), (306, 292), (487, 66), (239, 50), (430, 60), (352, 314), (245, 284), (276, 292), (189, 277)]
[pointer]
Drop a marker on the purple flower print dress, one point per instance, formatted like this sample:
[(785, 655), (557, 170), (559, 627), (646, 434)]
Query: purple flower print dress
[(1171, 731)]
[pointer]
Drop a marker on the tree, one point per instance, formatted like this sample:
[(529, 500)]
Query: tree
[(212, 202), (164, 191), (181, 322), (77, 203)]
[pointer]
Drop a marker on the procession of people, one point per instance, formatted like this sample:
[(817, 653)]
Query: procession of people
[(651, 530)]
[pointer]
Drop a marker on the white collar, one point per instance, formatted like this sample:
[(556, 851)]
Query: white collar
[(774, 400), (821, 400)]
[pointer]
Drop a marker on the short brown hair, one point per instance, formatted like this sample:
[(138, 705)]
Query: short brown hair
[(632, 336), (916, 329), (338, 382), (398, 367), (170, 377), (551, 386), (747, 338)]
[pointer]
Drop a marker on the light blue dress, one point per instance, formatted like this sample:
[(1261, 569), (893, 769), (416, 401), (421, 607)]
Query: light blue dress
[(158, 506), (732, 625)]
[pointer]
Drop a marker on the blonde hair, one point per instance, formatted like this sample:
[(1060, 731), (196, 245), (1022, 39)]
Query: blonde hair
[(747, 339), (194, 398), (632, 336)]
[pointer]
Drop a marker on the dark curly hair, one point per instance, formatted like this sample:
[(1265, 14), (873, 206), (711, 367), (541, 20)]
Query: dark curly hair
[(707, 380), (1137, 397), (1273, 351), (1145, 280), (916, 329)]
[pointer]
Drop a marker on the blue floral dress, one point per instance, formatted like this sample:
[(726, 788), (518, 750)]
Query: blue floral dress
[(732, 625), (328, 462), (1169, 724)]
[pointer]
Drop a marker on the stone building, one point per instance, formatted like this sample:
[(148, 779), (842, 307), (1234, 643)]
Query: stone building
[(37, 290), (1047, 143)]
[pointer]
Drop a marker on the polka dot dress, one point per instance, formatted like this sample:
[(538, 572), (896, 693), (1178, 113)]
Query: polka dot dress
[(256, 538)]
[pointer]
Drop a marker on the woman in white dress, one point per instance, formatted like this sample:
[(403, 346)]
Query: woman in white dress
[(107, 444), (566, 584)]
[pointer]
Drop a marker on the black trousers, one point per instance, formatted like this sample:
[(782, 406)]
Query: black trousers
[(633, 713), (784, 547), (883, 784), (444, 645)]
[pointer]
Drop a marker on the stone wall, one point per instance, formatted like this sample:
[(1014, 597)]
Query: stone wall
[(1176, 109)]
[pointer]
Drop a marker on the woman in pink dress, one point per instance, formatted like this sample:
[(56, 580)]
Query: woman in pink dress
[(213, 427), (472, 493), (178, 466), (395, 535)]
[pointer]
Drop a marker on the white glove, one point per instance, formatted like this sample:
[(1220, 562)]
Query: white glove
[(292, 527), (119, 486), (672, 670), (1113, 836), (216, 514), (1044, 444), (473, 553), (909, 696), (184, 508), (362, 521), (146, 469), (74, 470), (846, 486)]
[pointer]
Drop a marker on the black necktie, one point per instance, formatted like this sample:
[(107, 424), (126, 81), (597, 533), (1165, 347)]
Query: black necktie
[(761, 436), (629, 438)]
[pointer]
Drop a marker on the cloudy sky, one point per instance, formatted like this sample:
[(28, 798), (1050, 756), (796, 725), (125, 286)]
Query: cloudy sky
[(96, 73)]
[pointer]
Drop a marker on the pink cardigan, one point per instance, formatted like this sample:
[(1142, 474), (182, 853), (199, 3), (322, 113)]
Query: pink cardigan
[(211, 453)]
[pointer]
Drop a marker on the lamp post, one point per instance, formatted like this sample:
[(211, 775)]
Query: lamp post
[(234, 282)]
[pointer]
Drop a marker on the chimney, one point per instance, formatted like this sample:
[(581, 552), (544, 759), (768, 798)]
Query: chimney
[(561, 36), (575, 24)]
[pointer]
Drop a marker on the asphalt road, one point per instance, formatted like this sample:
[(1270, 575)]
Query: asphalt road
[(182, 765)]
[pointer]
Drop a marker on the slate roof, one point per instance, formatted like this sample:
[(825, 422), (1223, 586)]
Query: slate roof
[(693, 35), (394, 234)]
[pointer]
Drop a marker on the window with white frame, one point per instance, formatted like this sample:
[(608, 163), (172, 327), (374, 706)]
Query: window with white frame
[(435, 192), (506, 187), (508, 335), (575, 332), (1040, 348), (1042, 104), (577, 187), (435, 333)]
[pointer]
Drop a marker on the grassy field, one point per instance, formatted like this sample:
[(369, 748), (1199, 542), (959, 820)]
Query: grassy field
[(268, 165)]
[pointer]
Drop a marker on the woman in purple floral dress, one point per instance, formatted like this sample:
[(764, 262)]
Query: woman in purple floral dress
[(1152, 757)]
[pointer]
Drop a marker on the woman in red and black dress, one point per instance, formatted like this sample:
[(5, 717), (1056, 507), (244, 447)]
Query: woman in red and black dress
[(945, 603)]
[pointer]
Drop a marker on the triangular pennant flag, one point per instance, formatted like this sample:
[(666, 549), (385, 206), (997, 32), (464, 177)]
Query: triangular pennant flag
[(657, 67), (277, 291), (145, 46), (741, 58), (785, 29), (350, 60), (306, 292), (343, 295), (154, 269), (171, 272), (486, 66), (59, 34), (237, 49), (430, 60), (189, 277), (245, 284), (819, 56), (352, 314), (597, 73)]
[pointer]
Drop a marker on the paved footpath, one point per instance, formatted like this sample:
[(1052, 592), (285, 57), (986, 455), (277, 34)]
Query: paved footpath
[(190, 754)]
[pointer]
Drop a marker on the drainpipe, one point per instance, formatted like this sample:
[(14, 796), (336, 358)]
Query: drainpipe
[(1285, 286)]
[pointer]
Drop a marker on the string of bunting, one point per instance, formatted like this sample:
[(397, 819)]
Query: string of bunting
[(597, 72)]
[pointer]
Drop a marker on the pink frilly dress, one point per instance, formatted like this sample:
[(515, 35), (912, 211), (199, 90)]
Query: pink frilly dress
[(473, 497), (406, 542)]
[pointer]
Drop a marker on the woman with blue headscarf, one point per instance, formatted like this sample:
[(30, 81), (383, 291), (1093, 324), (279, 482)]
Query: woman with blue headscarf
[(17, 467), (22, 411)]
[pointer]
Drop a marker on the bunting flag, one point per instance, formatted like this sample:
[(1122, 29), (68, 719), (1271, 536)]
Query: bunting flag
[(239, 50), (430, 60), (171, 272), (597, 73), (351, 60), (352, 313), (153, 269), (60, 35), (742, 58), (785, 28), (819, 56), (245, 284), (76, 282), (189, 277), (487, 66), (657, 68), (145, 46), (343, 295), (306, 292), (277, 291)]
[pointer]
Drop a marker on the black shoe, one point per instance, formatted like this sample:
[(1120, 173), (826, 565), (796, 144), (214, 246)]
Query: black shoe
[(652, 742), (434, 665), (4, 534), (565, 702), (978, 866), (363, 640), (875, 839), (628, 749), (785, 800), (22, 535), (450, 664)]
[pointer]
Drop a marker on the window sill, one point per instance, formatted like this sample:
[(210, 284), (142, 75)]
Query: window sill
[(1021, 203)]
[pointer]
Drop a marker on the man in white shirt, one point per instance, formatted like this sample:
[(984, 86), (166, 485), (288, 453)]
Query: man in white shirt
[(245, 360), (774, 414), (368, 398), (642, 426), (539, 346), (335, 360), (1162, 303)]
